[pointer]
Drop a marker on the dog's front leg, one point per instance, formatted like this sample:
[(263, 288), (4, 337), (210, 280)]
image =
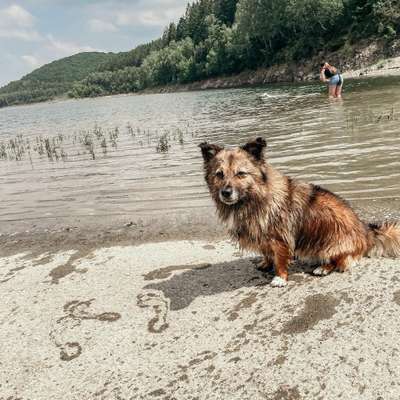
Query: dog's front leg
[(282, 256)]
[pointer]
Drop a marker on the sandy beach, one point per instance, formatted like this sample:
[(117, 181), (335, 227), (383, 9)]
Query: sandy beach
[(384, 67), (155, 309)]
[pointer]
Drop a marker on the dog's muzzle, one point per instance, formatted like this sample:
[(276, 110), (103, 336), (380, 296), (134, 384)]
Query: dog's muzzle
[(228, 195)]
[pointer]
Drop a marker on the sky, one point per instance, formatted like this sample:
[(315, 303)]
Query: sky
[(35, 32)]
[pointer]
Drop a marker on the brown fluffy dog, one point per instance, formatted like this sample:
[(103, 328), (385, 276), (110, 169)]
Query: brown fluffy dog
[(279, 217)]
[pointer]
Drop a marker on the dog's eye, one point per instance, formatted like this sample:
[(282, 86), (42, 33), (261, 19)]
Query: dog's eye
[(241, 174), (220, 175)]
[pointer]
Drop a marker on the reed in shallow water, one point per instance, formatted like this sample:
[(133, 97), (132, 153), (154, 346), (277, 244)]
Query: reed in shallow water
[(93, 143)]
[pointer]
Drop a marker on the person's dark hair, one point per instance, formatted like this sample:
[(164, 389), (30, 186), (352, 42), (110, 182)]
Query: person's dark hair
[(322, 64)]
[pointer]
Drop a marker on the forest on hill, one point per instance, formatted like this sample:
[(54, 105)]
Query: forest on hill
[(225, 37), (53, 79)]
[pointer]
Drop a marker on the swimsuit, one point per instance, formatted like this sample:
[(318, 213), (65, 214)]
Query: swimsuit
[(334, 79)]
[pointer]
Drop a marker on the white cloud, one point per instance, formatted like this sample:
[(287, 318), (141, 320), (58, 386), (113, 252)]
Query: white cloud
[(138, 13), (97, 25), (145, 17), (21, 34), (63, 49), (31, 61), (17, 23), (15, 14)]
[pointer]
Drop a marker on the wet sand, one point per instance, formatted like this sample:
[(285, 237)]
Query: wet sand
[(38, 236), (165, 307)]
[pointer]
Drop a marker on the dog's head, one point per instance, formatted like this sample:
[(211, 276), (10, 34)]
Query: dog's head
[(234, 175)]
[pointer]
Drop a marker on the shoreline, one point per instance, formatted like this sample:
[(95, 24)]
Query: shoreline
[(368, 62), (86, 234)]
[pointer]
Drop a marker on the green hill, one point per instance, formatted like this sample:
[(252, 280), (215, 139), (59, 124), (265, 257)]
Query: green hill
[(53, 79)]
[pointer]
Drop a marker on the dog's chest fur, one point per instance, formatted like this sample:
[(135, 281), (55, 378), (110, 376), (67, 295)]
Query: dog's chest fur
[(253, 229)]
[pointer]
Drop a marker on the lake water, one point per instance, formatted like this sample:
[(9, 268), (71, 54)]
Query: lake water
[(350, 146)]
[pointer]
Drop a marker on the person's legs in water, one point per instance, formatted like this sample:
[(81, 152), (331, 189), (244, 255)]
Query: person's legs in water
[(332, 91), (338, 92), (333, 83)]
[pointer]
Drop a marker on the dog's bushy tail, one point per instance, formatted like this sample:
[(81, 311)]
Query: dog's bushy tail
[(384, 239)]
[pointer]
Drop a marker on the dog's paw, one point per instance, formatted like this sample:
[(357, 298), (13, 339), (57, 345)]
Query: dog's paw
[(320, 271), (278, 282)]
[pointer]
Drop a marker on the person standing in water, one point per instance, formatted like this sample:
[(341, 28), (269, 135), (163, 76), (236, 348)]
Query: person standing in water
[(329, 74)]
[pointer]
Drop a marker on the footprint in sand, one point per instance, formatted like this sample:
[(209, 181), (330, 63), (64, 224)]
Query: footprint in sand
[(159, 304), (75, 312)]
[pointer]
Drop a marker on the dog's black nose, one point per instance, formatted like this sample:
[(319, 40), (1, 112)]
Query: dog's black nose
[(227, 192)]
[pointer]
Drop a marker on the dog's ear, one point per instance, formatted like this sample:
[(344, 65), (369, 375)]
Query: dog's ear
[(209, 151), (255, 147)]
